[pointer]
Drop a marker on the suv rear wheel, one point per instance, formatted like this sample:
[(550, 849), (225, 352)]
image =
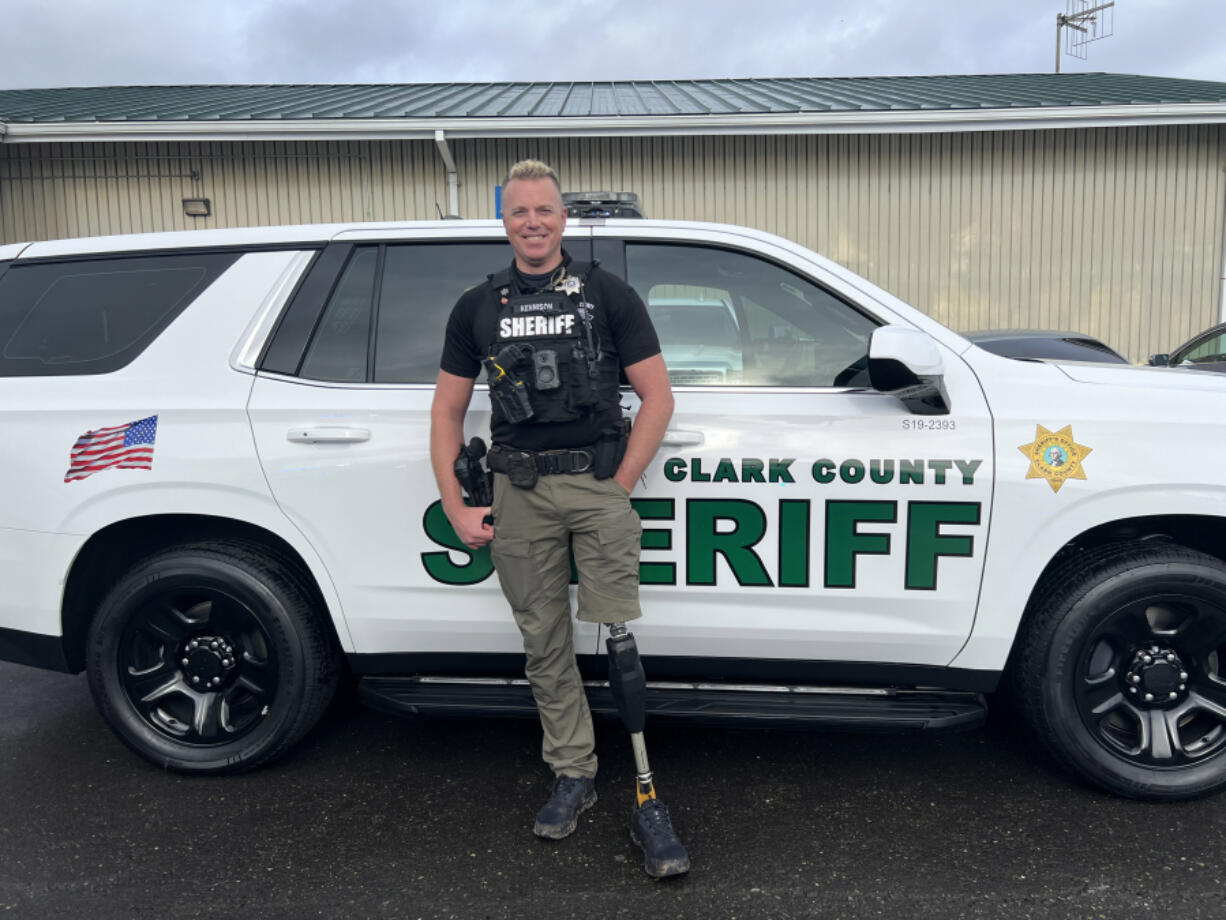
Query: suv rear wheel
[(211, 658), (1122, 669)]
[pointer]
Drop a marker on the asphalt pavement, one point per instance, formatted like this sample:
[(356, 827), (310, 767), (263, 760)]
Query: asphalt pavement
[(374, 816)]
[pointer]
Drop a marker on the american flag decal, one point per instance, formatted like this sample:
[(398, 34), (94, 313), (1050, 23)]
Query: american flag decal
[(124, 447)]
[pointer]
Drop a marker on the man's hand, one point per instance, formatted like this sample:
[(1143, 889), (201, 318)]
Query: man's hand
[(451, 397), (649, 378), (469, 525)]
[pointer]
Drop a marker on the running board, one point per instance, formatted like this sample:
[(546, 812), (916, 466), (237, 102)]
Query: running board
[(748, 705)]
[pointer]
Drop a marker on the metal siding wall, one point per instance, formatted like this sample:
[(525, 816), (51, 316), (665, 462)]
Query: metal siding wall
[(68, 190), (1113, 231)]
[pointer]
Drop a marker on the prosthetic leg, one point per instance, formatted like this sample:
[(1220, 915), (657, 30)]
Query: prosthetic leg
[(650, 827)]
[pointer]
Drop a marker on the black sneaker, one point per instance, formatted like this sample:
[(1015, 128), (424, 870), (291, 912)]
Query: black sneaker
[(664, 854), (571, 795)]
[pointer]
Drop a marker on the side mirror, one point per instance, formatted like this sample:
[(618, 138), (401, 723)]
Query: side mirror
[(907, 364), (1159, 360)]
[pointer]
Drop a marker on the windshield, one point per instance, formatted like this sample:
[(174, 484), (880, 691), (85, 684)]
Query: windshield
[(709, 324)]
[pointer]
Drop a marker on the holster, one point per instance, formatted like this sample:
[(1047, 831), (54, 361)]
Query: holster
[(610, 448), (507, 388), (512, 400), (473, 478)]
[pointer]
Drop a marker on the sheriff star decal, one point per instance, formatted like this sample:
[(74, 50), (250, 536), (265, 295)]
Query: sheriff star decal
[(1055, 456)]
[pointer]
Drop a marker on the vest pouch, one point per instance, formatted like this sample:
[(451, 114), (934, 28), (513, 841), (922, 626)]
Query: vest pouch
[(584, 393), (521, 469), (552, 365)]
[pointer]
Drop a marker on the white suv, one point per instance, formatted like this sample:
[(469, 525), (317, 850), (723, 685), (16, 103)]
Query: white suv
[(216, 492)]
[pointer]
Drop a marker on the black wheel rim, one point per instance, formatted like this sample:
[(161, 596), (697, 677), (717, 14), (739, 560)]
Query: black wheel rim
[(1150, 683), (197, 665)]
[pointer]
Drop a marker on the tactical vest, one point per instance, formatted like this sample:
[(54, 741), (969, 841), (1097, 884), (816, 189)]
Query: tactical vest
[(546, 363)]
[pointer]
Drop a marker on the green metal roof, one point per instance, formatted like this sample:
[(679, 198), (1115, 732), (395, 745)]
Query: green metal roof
[(606, 100)]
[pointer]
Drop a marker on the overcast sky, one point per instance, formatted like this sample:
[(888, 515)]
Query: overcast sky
[(91, 43)]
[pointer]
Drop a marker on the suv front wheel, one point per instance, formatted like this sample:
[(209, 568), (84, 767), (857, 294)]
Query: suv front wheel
[(211, 658), (1122, 668)]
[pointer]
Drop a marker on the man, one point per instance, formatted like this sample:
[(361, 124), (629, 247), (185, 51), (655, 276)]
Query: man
[(552, 337)]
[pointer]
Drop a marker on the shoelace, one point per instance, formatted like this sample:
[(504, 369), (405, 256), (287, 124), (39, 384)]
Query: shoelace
[(566, 786), (655, 814)]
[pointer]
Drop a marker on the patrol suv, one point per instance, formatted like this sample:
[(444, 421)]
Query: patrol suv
[(216, 496)]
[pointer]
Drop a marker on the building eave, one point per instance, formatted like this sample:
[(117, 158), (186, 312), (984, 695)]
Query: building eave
[(876, 122)]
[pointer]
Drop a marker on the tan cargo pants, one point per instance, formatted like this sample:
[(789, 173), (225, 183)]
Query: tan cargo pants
[(534, 532)]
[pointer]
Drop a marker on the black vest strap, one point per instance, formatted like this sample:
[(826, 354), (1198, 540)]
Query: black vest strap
[(500, 279)]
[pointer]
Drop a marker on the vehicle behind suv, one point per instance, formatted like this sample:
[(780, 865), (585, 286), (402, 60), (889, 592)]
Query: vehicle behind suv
[(217, 494), (1205, 351), (1039, 345), (700, 340)]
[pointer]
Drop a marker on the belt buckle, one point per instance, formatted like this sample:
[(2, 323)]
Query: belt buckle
[(587, 458)]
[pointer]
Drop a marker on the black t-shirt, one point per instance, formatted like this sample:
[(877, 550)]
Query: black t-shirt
[(531, 284), (622, 323)]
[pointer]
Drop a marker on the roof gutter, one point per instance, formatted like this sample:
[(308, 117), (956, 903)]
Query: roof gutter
[(922, 121)]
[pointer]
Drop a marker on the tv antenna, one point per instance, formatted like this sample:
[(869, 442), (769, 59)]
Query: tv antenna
[(1085, 21)]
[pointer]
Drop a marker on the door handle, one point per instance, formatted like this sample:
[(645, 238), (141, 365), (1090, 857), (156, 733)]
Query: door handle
[(677, 437), (328, 435)]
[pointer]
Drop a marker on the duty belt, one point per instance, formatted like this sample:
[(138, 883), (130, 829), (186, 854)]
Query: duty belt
[(547, 462)]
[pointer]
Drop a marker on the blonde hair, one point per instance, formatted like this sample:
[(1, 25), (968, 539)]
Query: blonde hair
[(531, 169)]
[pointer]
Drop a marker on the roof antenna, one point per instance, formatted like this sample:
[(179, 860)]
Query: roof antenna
[(440, 211), (1086, 21)]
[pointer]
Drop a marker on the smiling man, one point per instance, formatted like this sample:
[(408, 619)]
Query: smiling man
[(553, 336)]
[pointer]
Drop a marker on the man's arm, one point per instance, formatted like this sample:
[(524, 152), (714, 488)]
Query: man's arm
[(451, 397), (649, 378)]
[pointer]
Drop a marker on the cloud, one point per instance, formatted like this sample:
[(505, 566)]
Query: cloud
[(82, 42)]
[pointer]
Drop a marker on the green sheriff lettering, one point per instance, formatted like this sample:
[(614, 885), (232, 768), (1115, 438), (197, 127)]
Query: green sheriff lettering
[(730, 532), (905, 471), (726, 469)]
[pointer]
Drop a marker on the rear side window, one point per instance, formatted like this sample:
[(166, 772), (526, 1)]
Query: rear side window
[(95, 316), (341, 345), (385, 320)]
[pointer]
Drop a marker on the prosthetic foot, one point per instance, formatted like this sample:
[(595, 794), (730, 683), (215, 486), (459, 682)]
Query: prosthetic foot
[(650, 827)]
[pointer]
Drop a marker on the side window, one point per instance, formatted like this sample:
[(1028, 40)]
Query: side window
[(1207, 352), (340, 346), (726, 318), (95, 316), (421, 283)]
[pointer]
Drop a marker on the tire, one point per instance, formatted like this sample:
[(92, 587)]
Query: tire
[(211, 657), (1121, 669)]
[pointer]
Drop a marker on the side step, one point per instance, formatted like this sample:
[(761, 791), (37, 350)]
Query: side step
[(745, 705)]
